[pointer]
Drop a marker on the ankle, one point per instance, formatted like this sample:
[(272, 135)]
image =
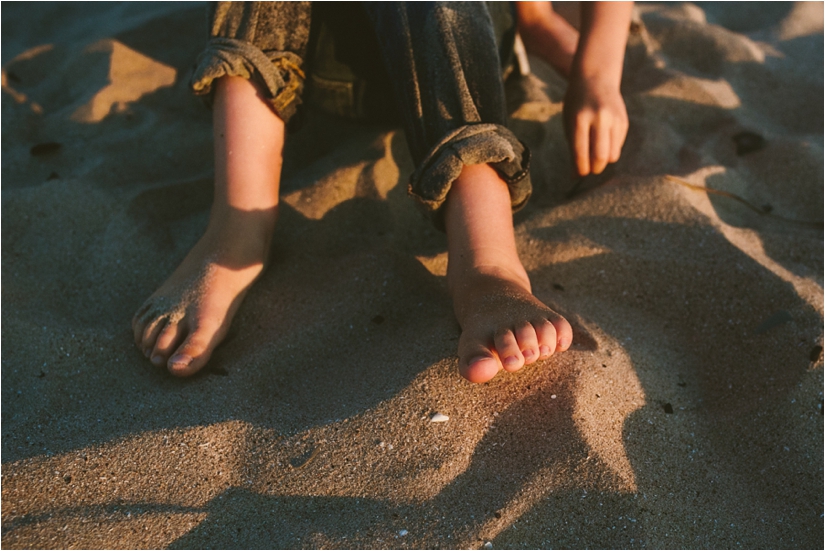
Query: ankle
[(226, 215), (460, 274), (243, 233)]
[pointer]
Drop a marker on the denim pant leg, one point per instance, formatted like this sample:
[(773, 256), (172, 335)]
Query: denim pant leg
[(443, 60), (265, 42)]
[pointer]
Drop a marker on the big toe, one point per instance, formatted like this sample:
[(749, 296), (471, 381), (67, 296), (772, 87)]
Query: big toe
[(480, 369), (477, 362), (193, 353)]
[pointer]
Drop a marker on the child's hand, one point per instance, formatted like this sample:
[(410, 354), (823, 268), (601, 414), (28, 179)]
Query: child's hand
[(595, 120), (595, 116)]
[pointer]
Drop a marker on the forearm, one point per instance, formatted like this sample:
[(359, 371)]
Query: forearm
[(547, 35), (603, 38)]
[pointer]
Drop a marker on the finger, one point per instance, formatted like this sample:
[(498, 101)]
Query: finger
[(581, 145), (618, 135), (599, 147)]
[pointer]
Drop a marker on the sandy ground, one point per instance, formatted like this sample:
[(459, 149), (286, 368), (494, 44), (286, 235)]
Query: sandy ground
[(687, 414)]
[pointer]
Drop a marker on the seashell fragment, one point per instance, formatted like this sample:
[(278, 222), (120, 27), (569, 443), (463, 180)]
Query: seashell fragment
[(439, 418)]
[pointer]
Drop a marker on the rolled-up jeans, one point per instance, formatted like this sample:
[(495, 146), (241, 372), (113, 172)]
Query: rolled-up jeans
[(441, 62)]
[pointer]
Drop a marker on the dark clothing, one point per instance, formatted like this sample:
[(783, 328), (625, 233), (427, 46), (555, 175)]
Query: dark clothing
[(442, 63)]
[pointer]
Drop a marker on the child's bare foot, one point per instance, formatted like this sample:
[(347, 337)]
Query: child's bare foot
[(503, 326), (180, 325)]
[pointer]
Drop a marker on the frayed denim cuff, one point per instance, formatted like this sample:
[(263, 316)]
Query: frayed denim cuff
[(279, 73), (471, 144)]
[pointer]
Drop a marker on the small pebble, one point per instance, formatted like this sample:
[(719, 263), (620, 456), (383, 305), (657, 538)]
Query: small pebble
[(488, 545), (439, 418), (402, 533), (552, 396)]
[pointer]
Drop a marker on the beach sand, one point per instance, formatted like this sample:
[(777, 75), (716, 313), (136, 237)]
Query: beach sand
[(687, 414)]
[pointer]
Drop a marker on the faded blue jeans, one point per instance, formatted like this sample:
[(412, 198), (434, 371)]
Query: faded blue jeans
[(442, 63)]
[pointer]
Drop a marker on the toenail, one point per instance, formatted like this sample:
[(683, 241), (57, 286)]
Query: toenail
[(511, 361), (545, 350), (157, 360), (147, 352), (528, 353), (180, 361)]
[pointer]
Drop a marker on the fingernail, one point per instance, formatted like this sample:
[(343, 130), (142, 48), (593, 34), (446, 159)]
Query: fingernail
[(545, 350), (511, 361)]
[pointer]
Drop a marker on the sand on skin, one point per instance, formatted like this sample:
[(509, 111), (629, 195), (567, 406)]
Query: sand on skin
[(311, 427)]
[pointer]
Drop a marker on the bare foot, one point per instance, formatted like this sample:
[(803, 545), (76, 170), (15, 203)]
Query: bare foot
[(180, 325), (503, 326)]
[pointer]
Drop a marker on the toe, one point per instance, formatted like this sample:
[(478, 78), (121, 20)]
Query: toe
[(564, 333), (476, 361), (547, 339), (150, 335), (194, 352), (527, 342), (508, 350), (142, 310), (138, 327), (480, 369), (166, 343), (139, 324)]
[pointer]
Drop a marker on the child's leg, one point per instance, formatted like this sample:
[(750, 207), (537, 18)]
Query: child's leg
[(502, 324), (180, 325), (444, 63)]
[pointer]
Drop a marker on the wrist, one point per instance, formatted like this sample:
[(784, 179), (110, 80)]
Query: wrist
[(596, 75)]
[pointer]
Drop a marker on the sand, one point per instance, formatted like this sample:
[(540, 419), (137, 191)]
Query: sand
[(688, 413)]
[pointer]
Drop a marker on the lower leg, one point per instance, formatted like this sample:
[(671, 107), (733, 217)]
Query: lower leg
[(180, 325), (503, 325)]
